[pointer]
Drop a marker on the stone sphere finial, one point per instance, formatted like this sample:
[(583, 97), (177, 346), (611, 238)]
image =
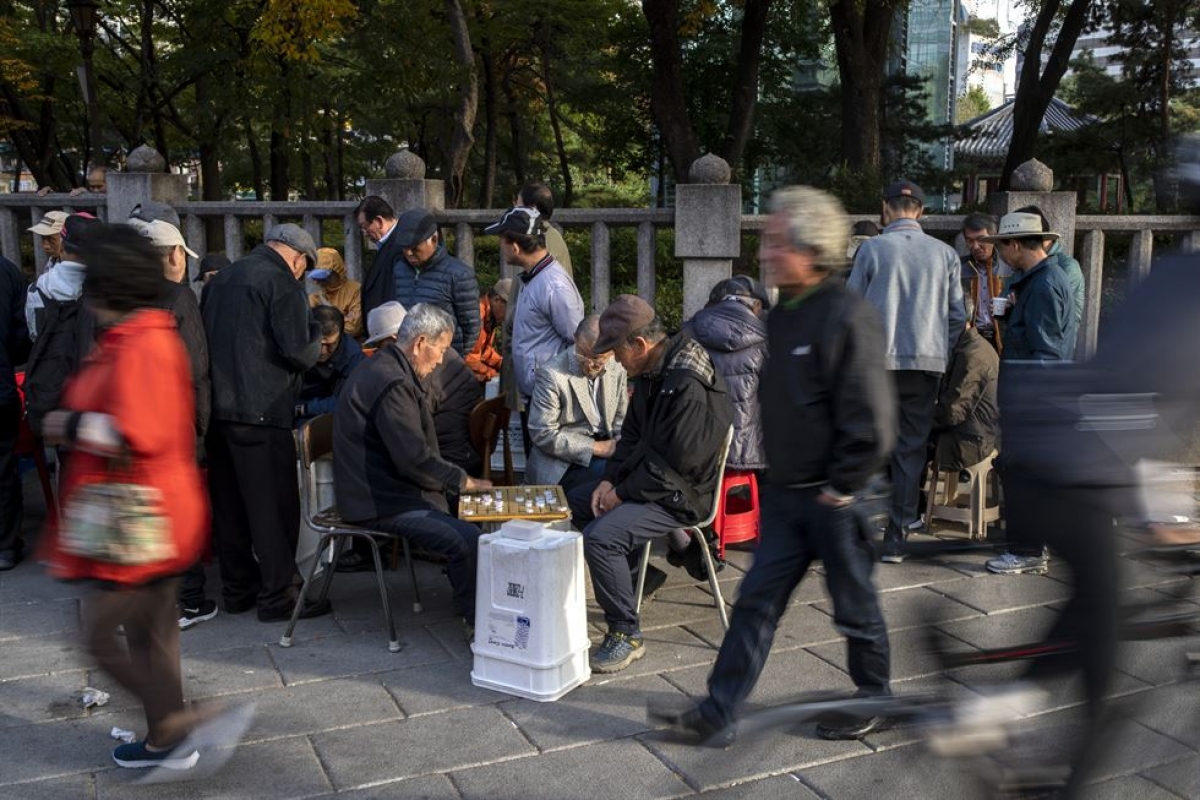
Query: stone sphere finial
[(709, 168), (1032, 176), (145, 159), (405, 164)]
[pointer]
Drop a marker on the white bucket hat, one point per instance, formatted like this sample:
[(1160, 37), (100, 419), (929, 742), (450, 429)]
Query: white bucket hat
[(384, 321)]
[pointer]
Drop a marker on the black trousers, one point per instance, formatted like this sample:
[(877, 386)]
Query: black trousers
[(916, 394), (796, 530), (11, 503), (256, 513)]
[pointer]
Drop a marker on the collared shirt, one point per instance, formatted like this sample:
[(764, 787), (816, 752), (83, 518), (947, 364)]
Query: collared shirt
[(384, 238), (598, 400)]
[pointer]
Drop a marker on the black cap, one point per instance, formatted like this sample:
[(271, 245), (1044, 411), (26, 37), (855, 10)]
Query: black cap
[(518, 219), (740, 286), (151, 210), (213, 262), (904, 189), (414, 226)]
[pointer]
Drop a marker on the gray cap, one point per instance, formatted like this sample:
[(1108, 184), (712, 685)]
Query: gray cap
[(296, 238), (150, 210), (414, 226)]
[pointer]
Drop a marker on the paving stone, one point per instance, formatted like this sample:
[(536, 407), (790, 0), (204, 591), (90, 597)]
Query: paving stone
[(1128, 787), (800, 626), (1004, 628), (1005, 592), (53, 749), (39, 619), (1181, 777), (42, 698), (355, 654), (29, 583), (590, 713), (890, 577), (230, 631), (910, 654), (906, 608), (275, 770), (73, 787), (428, 787), (569, 773), (419, 746), (1173, 711), (438, 687), (759, 757), (786, 676), (678, 606), (315, 707), (788, 786), (901, 772), (1157, 662), (223, 672), (42, 655)]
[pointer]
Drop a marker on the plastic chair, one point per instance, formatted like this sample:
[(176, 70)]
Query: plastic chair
[(488, 422), (697, 530), (978, 513), (316, 441), (737, 522)]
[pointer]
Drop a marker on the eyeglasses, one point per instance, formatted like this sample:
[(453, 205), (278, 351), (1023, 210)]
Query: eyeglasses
[(595, 361)]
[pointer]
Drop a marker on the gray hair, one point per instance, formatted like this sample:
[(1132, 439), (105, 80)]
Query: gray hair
[(979, 222), (816, 222), (588, 329), (425, 320)]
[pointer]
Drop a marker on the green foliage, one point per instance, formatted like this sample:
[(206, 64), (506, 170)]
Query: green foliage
[(973, 103)]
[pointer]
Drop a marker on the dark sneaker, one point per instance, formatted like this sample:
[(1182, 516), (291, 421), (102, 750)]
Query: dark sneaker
[(135, 755), (655, 578), (353, 562), (690, 727), (190, 615), (851, 728), (9, 559), (310, 610), (616, 652), (892, 552), (1013, 564)]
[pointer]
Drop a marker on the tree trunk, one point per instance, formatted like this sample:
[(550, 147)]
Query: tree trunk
[(462, 135), (668, 95), (1035, 88), (329, 152), (564, 166), (487, 189), (514, 125), (256, 165), (861, 34), (745, 88)]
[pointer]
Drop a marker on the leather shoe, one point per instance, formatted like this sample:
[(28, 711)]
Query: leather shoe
[(851, 728), (354, 562), (284, 613), (689, 726), (8, 559)]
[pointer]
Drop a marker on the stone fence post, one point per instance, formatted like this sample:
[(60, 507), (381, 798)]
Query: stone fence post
[(145, 178), (405, 187), (708, 229), (1032, 185)]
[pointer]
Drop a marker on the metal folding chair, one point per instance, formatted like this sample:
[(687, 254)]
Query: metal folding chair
[(315, 442), (698, 530)]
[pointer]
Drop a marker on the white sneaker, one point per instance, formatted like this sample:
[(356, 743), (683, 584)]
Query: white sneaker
[(979, 725)]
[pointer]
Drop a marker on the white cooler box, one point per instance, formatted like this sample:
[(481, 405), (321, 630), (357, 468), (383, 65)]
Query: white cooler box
[(530, 613)]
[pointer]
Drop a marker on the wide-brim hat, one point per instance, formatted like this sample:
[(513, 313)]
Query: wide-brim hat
[(1020, 225), (384, 320)]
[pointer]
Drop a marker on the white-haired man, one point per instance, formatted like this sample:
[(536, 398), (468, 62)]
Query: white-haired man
[(828, 424), (389, 472)]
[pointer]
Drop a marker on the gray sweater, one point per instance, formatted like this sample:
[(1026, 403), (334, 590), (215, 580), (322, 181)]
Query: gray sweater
[(913, 281)]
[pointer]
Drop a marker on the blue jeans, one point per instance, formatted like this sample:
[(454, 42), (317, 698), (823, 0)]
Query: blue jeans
[(796, 530), (443, 535)]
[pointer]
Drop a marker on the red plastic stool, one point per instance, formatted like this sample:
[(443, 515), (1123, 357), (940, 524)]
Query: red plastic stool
[(737, 518)]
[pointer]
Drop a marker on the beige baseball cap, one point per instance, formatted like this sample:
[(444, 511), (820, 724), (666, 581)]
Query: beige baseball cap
[(51, 223), (162, 234)]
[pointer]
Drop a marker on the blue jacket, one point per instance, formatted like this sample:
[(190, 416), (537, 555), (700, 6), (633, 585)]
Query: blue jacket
[(1074, 275), (1039, 325), (323, 382), (447, 283), (913, 280)]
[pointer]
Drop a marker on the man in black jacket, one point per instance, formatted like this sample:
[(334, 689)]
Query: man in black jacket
[(389, 473), (261, 339), (664, 471), (377, 221), (427, 273), (829, 423)]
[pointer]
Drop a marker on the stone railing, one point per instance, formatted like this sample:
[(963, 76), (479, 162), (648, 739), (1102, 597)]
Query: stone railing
[(707, 222)]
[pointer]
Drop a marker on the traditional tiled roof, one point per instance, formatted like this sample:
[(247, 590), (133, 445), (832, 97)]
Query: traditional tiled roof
[(986, 138)]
